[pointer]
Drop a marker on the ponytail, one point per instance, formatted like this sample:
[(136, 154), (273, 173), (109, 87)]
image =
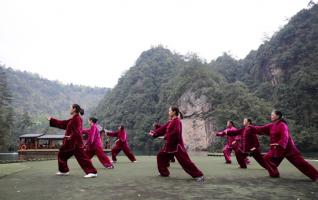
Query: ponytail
[(180, 115), (249, 120), (78, 109), (81, 111)]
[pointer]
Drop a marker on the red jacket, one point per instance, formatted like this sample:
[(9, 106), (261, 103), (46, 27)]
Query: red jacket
[(249, 138), (172, 132), (94, 140), (72, 127), (279, 134), (230, 139), (121, 135)]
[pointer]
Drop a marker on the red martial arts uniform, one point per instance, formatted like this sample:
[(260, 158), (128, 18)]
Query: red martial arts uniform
[(72, 144), (248, 141), (279, 134), (94, 146), (174, 147), (236, 147), (121, 144), (228, 146)]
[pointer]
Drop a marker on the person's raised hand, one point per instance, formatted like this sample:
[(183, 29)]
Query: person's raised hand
[(151, 133)]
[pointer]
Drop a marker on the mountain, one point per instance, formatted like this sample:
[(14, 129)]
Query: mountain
[(281, 74), (33, 99), (40, 97), (284, 71), (160, 79)]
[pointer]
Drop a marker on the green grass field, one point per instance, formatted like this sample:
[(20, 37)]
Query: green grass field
[(37, 180)]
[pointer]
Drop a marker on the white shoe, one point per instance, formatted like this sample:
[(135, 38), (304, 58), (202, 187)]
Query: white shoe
[(63, 173), (200, 179), (134, 161), (90, 175)]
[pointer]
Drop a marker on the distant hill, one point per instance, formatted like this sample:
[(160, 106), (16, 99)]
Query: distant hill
[(40, 97), (33, 99)]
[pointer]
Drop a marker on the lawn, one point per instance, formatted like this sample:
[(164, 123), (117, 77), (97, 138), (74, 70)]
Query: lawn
[(37, 180)]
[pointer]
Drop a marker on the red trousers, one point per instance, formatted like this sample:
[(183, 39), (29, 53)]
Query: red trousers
[(241, 158), (102, 157), (236, 149), (119, 145), (227, 153), (163, 163), (276, 155), (67, 151)]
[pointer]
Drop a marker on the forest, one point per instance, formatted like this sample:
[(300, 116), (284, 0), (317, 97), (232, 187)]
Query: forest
[(281, 74)]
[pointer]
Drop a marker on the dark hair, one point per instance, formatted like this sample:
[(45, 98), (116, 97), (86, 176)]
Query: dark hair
[(249, 120), (93, 119), (122, 127), (177, 111), (231, 122), (280, 116), (78, 109), (278, 113)]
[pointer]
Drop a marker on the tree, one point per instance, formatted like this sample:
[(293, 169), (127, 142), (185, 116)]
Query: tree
[(6, 113)]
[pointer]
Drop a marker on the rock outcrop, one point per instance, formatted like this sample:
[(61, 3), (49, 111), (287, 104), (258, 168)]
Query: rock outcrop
[(196, 130)]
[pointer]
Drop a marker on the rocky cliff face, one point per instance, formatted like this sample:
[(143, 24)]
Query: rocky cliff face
[(196, 130), (276, 74)]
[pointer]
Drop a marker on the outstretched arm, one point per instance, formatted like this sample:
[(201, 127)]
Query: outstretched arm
[(61, 124), (86, 131), (159, 131), (220, 134), (112, 133), (234, 132), (263, 130)]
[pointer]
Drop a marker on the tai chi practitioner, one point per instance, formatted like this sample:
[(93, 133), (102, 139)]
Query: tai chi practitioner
[(94, 145), (282, 146), (230, 139), (249, 144), (73, 143), (121, 144), (174, 147)]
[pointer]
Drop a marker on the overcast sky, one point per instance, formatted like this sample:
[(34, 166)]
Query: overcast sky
[(93, 42)]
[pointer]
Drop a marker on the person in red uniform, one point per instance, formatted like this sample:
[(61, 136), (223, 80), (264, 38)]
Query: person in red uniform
[(230, 139), (73, 143), (282, 146), (121, 144), (174, 147), (231, 144), (94, 144), (249, 144)]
